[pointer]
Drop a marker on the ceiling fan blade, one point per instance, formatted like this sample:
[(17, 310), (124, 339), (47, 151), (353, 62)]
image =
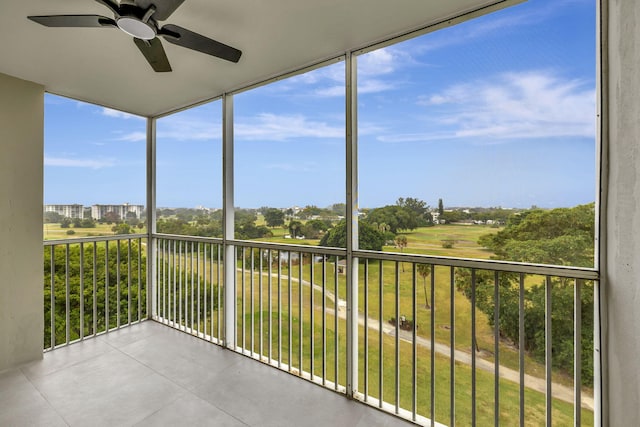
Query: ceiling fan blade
[(73, 21), (154, 53), (113, 7), (164, 8), (185, 38)]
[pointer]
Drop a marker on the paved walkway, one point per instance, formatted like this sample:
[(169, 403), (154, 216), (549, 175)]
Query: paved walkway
[(558, 391)]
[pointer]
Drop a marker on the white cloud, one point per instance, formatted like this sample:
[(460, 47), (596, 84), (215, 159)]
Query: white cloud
[(119, 114), (273, 127), (510, 106), (78, 163), (133, 137), (183, 127), (378, 62)]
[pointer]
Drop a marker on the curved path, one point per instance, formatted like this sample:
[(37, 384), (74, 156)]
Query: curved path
[(558, 391)]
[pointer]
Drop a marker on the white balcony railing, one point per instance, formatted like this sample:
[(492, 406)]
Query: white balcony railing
[(436, 340), (93, 285)]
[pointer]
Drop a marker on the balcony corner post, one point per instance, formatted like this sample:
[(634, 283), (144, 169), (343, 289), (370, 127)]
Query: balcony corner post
[(228, 223), (151, 218), (352, 224)]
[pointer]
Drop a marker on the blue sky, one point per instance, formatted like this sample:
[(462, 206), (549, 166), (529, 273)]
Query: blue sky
[(498, 111)]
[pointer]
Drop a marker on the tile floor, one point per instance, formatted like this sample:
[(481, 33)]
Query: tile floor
[(151, 375)]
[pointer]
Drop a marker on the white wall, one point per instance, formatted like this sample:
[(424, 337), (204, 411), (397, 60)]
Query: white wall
[(21, 276), (622, 266)]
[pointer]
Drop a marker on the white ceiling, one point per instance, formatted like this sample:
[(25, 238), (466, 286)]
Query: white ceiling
[(104, 66)]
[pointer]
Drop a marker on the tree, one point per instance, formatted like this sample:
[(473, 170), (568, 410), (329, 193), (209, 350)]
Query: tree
[(368, 237), (294, 226), (88, 223), (52, 217), (313, 228), (419, 208), (273, 217), (395, 217), (122, 228), (424, 270), (401, 242), (111, 217), (338, 209), (562, 236), (440, 207), (131, 219), (65, 223), (77, 223)]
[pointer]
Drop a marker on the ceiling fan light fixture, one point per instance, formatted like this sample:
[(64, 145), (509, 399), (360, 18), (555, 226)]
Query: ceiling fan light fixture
[(136, 28)]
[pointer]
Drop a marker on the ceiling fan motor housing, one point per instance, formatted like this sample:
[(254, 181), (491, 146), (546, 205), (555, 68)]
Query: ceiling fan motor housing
[(135, 22)]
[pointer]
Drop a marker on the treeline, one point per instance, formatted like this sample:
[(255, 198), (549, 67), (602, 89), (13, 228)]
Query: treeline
[(559, 236)]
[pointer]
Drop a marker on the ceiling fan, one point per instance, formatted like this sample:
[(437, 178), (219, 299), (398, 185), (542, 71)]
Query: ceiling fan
[(139, 18)]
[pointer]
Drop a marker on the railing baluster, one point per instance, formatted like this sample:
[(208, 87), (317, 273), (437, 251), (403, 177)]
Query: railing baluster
[(198, 284), (521, 345), (107, 323), (204, 284), (577, 353), (235, 299), (380, 333), (414, 345), (81, 291), (211, 293), (129, 281), (336, 328), (243, 293), (548, 334), (300, 313), (118, 283), (366, 328), (180, 304), (397, 338), (289, 306), (432, 392), (279, 309), (324, 319), (473, 346), (496, 349), (252, 309), (220, 292), (118, 296), (452, 356), (260, 299), (191, 286), (95, 288), (313, 325), (53, 296), (176, 300), (269, 303), (67, 293), (140, 280)]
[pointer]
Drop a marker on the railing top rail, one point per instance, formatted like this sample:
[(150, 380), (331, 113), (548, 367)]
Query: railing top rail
[(486, 264), (92, 239), (321, 250), (581, 273), (188, 238)]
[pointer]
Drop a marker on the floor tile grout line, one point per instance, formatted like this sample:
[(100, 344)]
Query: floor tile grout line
[(64, 420), (184, 389)]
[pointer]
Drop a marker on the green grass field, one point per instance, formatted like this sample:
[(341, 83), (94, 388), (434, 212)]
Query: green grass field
[(53, 231)]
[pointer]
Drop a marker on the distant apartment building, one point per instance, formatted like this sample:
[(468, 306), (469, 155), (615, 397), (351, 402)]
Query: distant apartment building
[(99, 211), (68, 211)]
